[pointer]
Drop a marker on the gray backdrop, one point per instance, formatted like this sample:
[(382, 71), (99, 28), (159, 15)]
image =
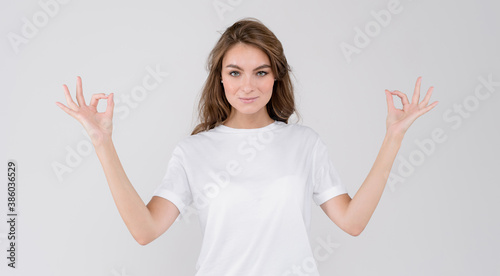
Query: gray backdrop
[(439, 212)]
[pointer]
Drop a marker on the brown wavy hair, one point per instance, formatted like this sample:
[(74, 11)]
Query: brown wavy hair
[(213, 107)]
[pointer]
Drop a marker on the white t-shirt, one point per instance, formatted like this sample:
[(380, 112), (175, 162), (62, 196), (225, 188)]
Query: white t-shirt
[(252, 191)]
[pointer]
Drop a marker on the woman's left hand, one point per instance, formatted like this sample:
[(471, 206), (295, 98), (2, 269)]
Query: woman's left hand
[(399, 120)]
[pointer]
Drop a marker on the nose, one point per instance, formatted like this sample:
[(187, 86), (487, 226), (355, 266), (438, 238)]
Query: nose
[(247, 84)]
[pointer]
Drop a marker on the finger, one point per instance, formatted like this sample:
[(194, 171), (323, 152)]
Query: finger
[(95, 99), (79, 91), (390, 102), (69, 100), (403, 97), (111, 105), (427, 97), (416, 92), (429, 107), (66, 109)]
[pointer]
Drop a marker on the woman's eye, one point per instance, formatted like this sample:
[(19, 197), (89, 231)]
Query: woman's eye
[(260, 73)]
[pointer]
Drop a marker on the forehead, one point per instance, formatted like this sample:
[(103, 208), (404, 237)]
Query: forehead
[(245, 55)]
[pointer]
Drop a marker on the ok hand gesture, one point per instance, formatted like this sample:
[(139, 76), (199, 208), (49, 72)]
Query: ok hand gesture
[(99, 126), (399, 120)]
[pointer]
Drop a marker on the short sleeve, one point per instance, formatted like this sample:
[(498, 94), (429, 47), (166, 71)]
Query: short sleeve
[(174, 185), (326, 180)]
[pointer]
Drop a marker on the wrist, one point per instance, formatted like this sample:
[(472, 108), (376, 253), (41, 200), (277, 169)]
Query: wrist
[(102, 141), (394, 135)]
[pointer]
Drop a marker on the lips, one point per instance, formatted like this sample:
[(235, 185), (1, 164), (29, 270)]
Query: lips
[(248, 100)]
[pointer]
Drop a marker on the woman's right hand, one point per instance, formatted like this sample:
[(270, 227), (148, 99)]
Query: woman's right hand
[(99, 126)]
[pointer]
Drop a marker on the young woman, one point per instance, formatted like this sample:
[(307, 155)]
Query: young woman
[(248, 174)]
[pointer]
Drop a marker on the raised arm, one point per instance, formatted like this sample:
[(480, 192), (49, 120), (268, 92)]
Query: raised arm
[(352, 214), (145, 223)]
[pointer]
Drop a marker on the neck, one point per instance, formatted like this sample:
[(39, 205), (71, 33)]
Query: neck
[(247, 121)]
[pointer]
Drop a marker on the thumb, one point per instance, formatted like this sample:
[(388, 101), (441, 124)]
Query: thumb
[(390, 101), (111, 105)]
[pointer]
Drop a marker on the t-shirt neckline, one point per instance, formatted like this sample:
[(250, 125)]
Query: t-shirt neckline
[(224, 128)]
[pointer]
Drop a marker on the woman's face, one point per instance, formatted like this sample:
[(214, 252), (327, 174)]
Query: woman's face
[(247, 79)]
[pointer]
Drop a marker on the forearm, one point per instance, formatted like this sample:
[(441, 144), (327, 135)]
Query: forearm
[(132, 209), (364, 202)]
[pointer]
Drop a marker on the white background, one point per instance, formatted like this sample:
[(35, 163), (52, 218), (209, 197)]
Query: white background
[(440, 218)]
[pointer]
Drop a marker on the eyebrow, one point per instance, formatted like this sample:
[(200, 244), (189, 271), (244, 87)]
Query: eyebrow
[(260, 67)]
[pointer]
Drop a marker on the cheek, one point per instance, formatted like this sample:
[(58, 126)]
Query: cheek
[(267, 88), (230, 89)]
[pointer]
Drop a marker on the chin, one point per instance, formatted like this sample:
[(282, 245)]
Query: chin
[(247, 111)]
